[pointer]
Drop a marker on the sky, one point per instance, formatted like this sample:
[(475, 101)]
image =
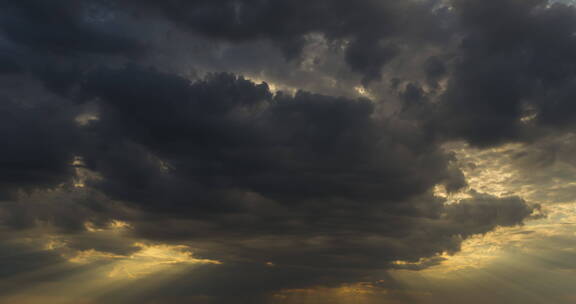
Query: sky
[(287, 151)]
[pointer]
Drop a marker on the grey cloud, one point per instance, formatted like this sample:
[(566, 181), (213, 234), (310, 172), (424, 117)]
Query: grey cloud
[(39, 145), (305, 181), (214, 131), (514, 55), (483, 212), (325, 187), (60, 26), (367, 24)]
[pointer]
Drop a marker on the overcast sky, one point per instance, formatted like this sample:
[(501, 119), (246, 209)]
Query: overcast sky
[(287, 151)]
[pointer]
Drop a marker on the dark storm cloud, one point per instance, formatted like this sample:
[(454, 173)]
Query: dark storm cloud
[(321, 186), (484, 212), (60, 26), (299, 180), (38, 144), (516, 59), (305, 181), (374, 28), (7, 65), (63, 210), (228, 133)]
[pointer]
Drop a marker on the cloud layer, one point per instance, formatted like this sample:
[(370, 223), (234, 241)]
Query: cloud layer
[(160, 115)]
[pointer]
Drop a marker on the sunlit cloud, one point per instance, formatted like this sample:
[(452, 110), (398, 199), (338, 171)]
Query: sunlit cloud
[(147, 258), (153, 258)]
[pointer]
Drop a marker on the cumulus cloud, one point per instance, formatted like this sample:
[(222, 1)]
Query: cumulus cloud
[(298, 188)]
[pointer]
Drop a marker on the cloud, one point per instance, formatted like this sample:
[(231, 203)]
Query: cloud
[(372, 30), (229, 133), (514, 60), (108, 116), (61, 26), (308, 182), (485, 212), (37, 152)]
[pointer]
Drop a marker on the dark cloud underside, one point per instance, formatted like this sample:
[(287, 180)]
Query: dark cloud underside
[(97, 125)]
